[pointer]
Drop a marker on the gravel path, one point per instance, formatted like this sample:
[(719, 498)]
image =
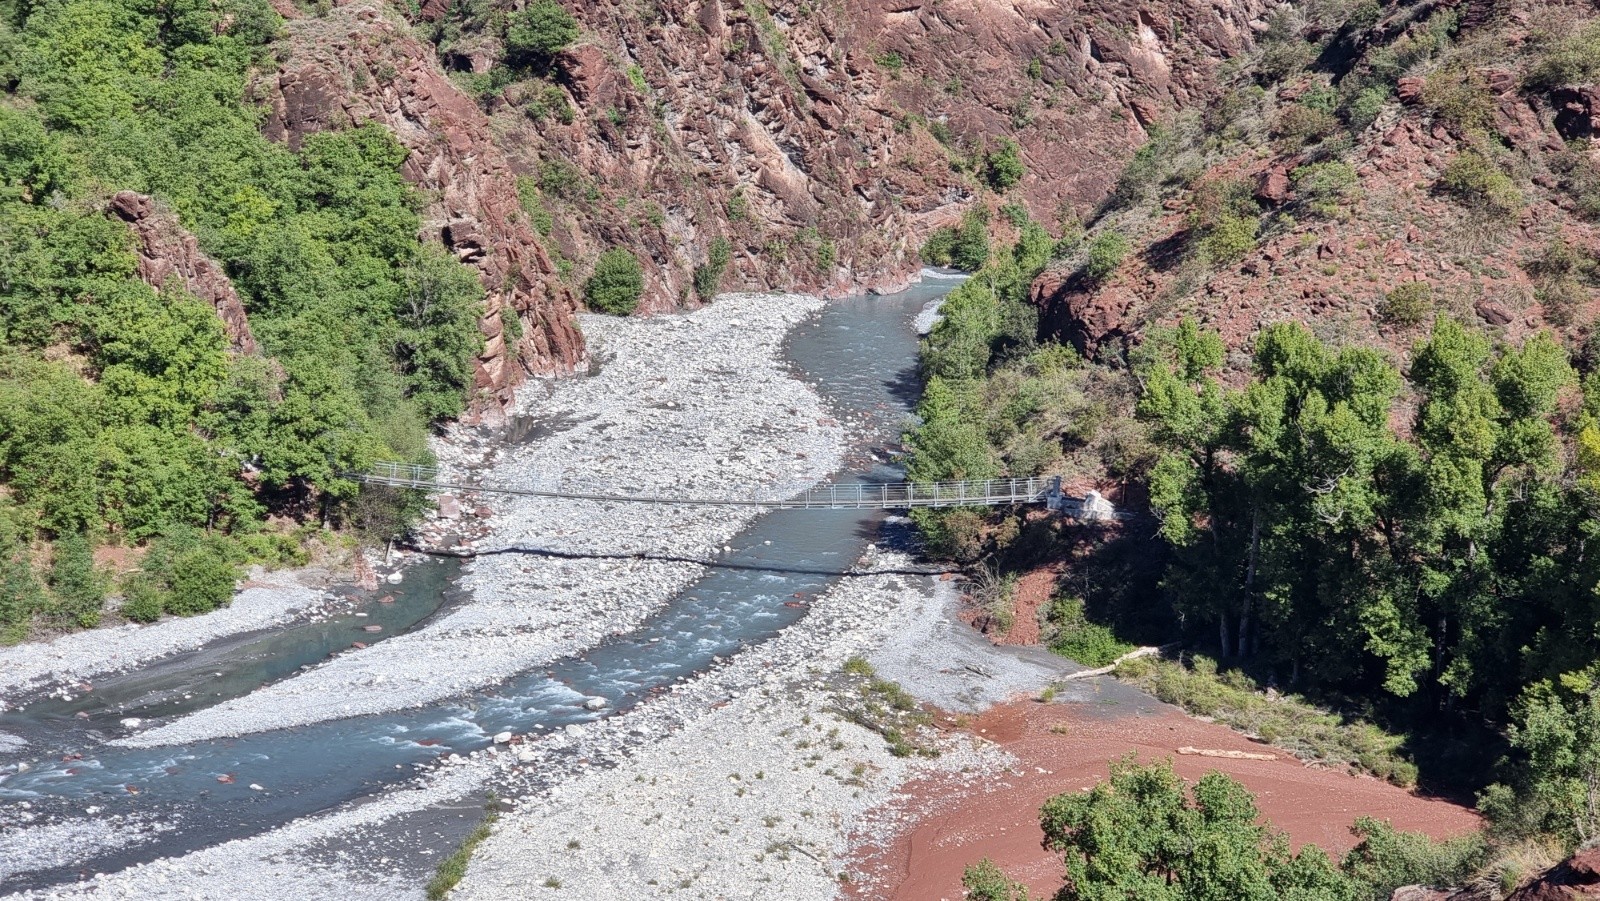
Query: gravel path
[(698, 403)]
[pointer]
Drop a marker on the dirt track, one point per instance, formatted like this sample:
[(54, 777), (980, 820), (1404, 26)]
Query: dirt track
[(961, 823)]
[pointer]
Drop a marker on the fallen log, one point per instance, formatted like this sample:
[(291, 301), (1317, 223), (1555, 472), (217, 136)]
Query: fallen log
[(1104, 670), (1231, 755)]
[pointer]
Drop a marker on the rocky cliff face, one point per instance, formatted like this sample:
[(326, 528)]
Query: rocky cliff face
[(167, 252), (823, 141), (804, 132), (360, 64), (1410, 212)]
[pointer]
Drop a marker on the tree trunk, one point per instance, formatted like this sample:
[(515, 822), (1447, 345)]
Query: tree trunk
[(1222, 633), (1249, 582)]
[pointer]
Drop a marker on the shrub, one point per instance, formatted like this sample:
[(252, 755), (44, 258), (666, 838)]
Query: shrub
[(1300, 125), (1106, 253), (1076, 638), (1407, 305), (1475, 181), (536, 34), (708, 275), (617, 283), (892, 62), (1325, 187), (1144, 168), (1308, 732), (1459, 97), (1364, 107), (1574, 59), (144, 598), (559, 178), (1002, 167), (985, 882), (1387, 859), (1230, 238), (200, 580)]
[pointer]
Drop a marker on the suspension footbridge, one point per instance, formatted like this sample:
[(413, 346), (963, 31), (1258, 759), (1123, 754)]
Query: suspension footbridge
[(861, 496)]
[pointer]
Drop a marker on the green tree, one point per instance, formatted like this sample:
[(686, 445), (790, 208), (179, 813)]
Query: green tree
[(1141, 835), (537, 33), (77, 587), (617, 283), (1002, 166)]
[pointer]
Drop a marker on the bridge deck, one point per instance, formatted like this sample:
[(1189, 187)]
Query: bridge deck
[(886, 496)]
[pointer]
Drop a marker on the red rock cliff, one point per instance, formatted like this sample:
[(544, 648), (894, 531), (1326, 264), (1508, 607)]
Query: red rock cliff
[(359, 64), (166, 251)]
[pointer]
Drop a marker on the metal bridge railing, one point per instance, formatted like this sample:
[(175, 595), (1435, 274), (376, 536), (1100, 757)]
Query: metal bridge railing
[(889, 496)]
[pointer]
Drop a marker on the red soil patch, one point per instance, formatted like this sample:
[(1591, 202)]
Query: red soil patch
[(959, 822), (1032, 591)]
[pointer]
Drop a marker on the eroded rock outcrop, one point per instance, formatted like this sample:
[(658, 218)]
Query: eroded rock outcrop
[(822, 147), (806, 138), (358, 64), (169, 252)]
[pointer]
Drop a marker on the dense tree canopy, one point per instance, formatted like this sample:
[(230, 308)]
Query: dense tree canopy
[(123, 414)]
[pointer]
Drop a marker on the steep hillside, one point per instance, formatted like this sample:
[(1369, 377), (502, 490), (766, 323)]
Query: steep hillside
[(1375, 168), (823, 141)]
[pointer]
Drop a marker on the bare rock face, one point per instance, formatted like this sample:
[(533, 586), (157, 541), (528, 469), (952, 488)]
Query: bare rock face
[(806, 139), (167, 251), (359, 65)]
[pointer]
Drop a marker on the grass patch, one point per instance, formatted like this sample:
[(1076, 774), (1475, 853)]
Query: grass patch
[(1289, 722), (884, 707), (452, 868)]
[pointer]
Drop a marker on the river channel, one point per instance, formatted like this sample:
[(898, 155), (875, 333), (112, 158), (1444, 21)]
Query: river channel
[(859, 353)]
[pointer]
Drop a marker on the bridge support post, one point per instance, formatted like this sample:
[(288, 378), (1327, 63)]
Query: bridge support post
[(1054, 500)]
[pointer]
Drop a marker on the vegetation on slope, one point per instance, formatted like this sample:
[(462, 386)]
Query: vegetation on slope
[(124, 417), (1383, 505)]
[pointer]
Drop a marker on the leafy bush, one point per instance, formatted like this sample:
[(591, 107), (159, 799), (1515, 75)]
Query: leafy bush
[(1407, 305), (708, 275), (1475, 181), (1144, 169), (1387, 859), (985, 882), (1076, 638), (1573, 59), (617, 283), (1326, 187), (1364, 108), (537, 33), (1459, 96), (1230, 238), (1299, 125), (144, 598), (965, 247), (1106, 253), (1002, 166)]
